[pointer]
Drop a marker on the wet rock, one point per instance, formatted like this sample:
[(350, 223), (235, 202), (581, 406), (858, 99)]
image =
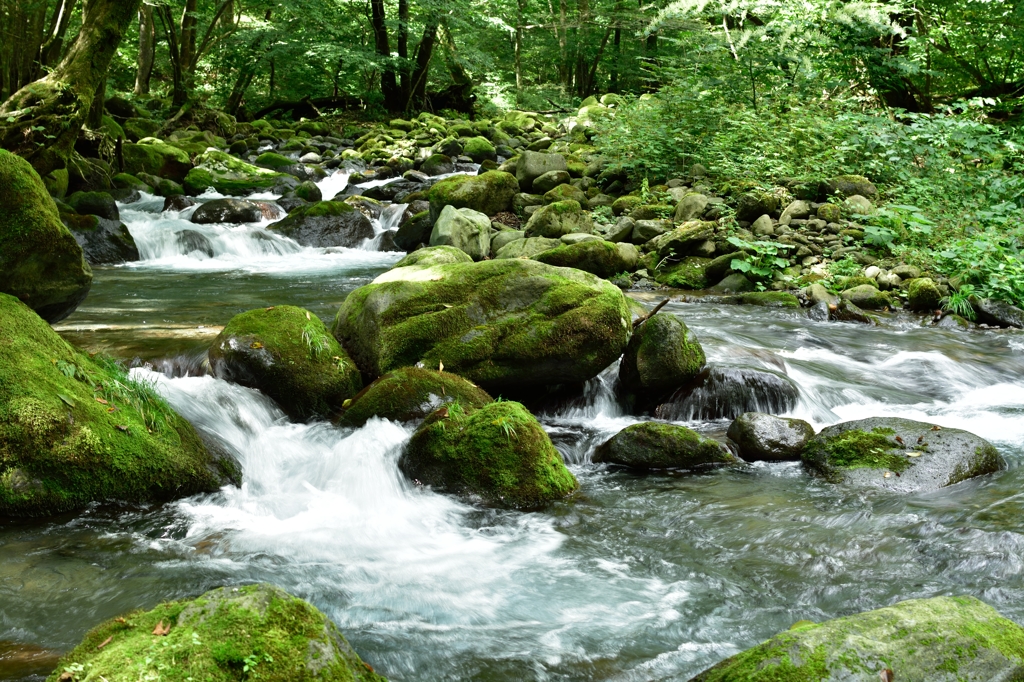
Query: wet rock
[(104, 242), (662, 355), (221, 630), (761, 436), (190, 241), (914, 641), (998, 313), (866, 297), (819, 312), (227, 211), (411, 394), (325, 224), (286, 353), (847, 311), (734, 283), (653, 445), (178, 203), (867, 452), (498, 452), (438, 164), (727, 392)]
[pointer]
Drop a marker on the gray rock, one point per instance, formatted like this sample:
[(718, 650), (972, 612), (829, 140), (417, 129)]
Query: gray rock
[(736, 283), (178, 203), (533, 164), (227, 211), (762, 227), (859, 205), (577, 237), (548, 181), (621, 231), (652, 445), (465, 229), (190, 241), (906, 271), (527, 248), (727, 392), (326, 224), (690, 207), (505, 237), (798, 210), (104, 242), (999, 313), (817, 293), (646, 230), (761, 436)]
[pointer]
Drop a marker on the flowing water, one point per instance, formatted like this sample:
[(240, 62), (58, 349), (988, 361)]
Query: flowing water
[(636, 578)]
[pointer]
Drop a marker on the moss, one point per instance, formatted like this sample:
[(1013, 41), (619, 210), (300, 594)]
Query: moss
[(558, 219), (770, 299), (156, 157), (662, 355), (479, 149), (434, 255), (596, 256), (923, 294), (40, 261), (625, 204), (226, 635), (651, 212), (656, 445), (499, 323), (856, 449), (565, 193), (499, 452), (75, 430), (273, 160), (690, 273), (230, 176), (411, 393), (489, 193), (287, 353), (129, 181)]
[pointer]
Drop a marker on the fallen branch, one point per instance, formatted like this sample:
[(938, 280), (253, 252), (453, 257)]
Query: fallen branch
[(640, 320)]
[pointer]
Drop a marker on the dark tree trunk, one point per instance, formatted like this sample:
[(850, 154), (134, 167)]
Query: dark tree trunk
[(403, 46), (424, 52), (147, 47), (179, 92), (42, 120), (51, 50), (388, 82), (95, 118)]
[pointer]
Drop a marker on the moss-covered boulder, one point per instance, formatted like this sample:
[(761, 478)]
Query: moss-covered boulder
[(596, 256), (254, 632), (899, 454), (689, 273), (923, 295), (273, 161), (40, 261), (498, 452), (866, 296), (434, 255), (503, 324), (464, 229), (662, 355), (74, 430), (683, 240), (479, 149), (410, 394), (566, 193), (850, 185), (655, 445), (943, 639), (526, 248), (752, 205), (761, 436), (287, 353), (156, 157), (489, 193), (234, 177), (557, 219), (325, 224)]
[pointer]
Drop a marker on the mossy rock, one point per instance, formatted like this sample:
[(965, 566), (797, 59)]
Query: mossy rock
[(139, 128), (899, 455), (683, 240), (943, 639), (752, 205), (690, 273), (75, 430), (479, 149), (287, 353), (526, 247), (565, 193), (662, 355), (156, 157), (326, 224), (499, 453), (768, 299), (557, 219), (489, 193), (655, 445), (228, 634), (866, 297), (850, 185), (923, 295), (40, 261), (595, 256), (410, 394), (626, 204), (233, 177), (129, 181), (273, 161), (502, 324), (651, 212), (434, 255)]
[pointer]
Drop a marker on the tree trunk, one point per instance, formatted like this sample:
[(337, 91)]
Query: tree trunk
[(42, 120), (388, 83), (95, 118), (518, 48), (403, 46), (424, 52), (179, 92), (147, 47), (187, 41), (50, 52)]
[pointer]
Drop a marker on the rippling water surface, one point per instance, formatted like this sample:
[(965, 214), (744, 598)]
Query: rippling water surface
[(636, 578)]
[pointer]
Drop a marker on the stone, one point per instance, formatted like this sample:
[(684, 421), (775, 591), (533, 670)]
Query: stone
[(326, 224), (920, 640), (765, 437), (218, 634), (626, 204), (850, 185), (438, 164), (504, 238), (595, 256), (178, 203), (905, 271), (191, 241), (621, 231), (156, 157), (231, 176), (548, 181), (866, 452), (557, 219), (465, 229), (503, 324), (653, 445), (410, 394), (752, 205), (286, 353), (532, 165), (690, 207), (866, 297), (662, 355), (689, 273), (489, 193), (798, 209), (479, 149), (526, 248), (923, 295), (41, 262), (817, 293), (998, 313), (227, 211), (566, 193), (727, 392), (859, 205), (578, 237), (646, 230), (733, 284), (830, 213), (414, 231), (103, 242), (762, 227), (99, 204)]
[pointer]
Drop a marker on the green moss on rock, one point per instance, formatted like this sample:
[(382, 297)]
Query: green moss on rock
[(498, 452), (255, 632), (663, 354), (595, 256), (434, 255), (558, 219), (231, 176), (40, 261), (156, 157), (944, 639), (489, 193), (273, 160), (656, 445), (411, 393), (74, 430), (287, 353), (689, 273)]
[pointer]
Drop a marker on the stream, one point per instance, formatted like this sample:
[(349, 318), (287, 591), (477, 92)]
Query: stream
[(636, 578)]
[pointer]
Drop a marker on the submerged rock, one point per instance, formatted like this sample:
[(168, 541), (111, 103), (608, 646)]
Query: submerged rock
[(75, 430), (662, 355), (654, 445), (409, 394), (41, 263), (761, 436), (286, 353), (325, 224), (498, 452), (190, 241), (727, 392), (259, 628), (920, 640), (899, 454), (503, 324)]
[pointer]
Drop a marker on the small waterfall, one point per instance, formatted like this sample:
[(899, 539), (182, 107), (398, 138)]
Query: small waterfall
[(728, 392), (389, 220), (333, 184)]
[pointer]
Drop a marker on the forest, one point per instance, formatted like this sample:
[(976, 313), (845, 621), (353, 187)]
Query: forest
[(502, 340)]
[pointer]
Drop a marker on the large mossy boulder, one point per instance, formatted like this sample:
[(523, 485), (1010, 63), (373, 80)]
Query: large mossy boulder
[(943, 639), (654, 445), (156, 157), (499, 453), (595, 256), (464, 229), (899, 454), (765, 437), (287, 353), (683, 240), (662, 355), (503, 324), (489, 193), (254, 632), (752, 205), (526, 248), (410, 394), (532, 165), (326, 224), (40, 261), (850, 185), (234, 177), (75, 430), (434, 255), (557, 219)]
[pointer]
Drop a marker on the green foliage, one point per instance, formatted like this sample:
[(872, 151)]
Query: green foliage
[(959, 302), (764, 260)]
